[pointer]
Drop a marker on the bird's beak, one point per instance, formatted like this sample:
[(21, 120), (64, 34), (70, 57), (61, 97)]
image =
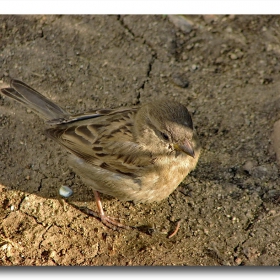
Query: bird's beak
[(185, 147)]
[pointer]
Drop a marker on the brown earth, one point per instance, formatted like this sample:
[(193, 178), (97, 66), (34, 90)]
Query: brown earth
[(224, 68)]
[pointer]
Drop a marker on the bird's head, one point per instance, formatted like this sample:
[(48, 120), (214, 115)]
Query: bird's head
[(169, 124)]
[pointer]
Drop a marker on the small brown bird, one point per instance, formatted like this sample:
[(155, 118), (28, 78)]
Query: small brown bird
[(138, 154)]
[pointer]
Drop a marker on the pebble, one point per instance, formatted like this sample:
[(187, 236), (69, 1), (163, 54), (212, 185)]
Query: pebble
[(219, 60), (233, 56), (236, 55), (272, 194), (4, 247), (238, 261), (194, 67), (181, 22), (265, 171), (180, 80), (65, 191), (260, 171), (249, 165), (229, 29), (210, 18), (275, 140)]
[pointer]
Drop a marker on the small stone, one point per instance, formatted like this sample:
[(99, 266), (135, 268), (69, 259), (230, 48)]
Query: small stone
[(210, 18), (185, 56), (265, 171), (269, 48), (194, 67), (189, 47), (180, 80), (249, 165), (4, 247), (52, 254), (229, 29), (233, 56), (272, 212), (172, 219), (238, 261), (181, 22), (219, 60), (65, 191), (272, 193)]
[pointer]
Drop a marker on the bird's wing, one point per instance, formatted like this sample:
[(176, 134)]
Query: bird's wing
[(103, 138)]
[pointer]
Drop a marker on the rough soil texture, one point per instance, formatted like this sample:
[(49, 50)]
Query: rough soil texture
[(224, 68)]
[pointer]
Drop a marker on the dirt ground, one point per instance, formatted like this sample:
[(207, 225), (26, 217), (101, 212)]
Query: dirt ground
[(225, 68)]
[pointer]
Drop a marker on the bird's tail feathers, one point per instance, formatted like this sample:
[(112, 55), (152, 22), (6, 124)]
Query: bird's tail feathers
[(34, 100)]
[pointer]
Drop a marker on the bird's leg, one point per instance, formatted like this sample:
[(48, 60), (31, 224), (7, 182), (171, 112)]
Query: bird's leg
[(106, 220)]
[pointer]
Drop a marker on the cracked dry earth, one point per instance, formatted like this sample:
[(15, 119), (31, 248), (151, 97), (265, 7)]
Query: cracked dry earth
[(224, 68)]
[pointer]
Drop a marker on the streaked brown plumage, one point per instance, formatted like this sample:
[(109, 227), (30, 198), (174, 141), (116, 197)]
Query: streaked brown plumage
[(139, 154)]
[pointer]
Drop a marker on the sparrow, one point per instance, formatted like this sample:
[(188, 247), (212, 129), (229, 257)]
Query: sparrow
[(138, 154)]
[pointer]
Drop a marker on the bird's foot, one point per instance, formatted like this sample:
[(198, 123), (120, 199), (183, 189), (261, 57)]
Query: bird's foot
[(110, 222)]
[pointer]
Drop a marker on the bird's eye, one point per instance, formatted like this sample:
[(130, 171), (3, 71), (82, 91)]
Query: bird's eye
[(164, 136)]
